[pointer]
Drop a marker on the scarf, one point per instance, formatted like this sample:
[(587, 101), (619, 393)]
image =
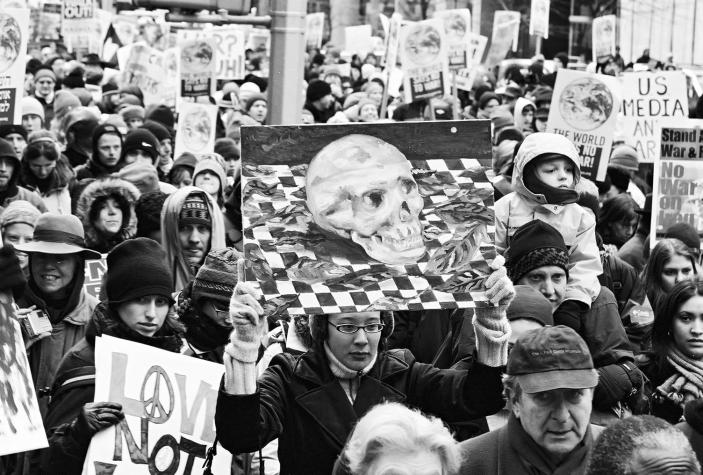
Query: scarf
[(201, 331), (687, 383), (348, 378), (537, 461), (554, 196)]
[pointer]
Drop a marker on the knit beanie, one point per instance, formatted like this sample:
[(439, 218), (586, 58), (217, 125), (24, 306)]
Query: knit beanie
[(486, 97), (128, 100), (530, 304), (161, 114), (317, 89), (535, 244), (9, 129), (64, 101), (624, 157), (130, 112), (154, 277), (133, 91), (685, 233), (159, 130), (253, 98), (186, 159), (7, 150), (148, 210), (19, 211), (31, 105), (142, 175), (117, 121), (217, 276), (104, 129), (246, 90), (141, 139), (214, 167), (227, 148), (195, 211), (74, 79), (501, 118), (44, 72)]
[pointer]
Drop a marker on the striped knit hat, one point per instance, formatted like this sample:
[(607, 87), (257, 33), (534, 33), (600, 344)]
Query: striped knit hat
[(535, 244), (217, 276), (195, 211)]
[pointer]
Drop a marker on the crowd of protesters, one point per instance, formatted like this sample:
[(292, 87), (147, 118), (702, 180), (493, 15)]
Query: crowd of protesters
[(588, 360)]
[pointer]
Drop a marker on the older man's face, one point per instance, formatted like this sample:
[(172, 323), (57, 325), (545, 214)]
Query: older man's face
[(550, 281), (556, 420)]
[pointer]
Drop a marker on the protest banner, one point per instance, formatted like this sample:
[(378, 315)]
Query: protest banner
[(647, 98), (603, 37), (357, 39), (539, 18), (584, 109), (340, 218), (21, 427), (677, 192), (314, 28), (14, 29), (94, 271), (169, 407), (79, 28), (197, 63), (503, 36), (229, 42), (423, 54), (465, 77), (143, 66), (196, 128), (457, 31)]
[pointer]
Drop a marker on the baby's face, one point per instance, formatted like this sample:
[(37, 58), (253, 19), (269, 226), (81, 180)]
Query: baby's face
[(558, 173)]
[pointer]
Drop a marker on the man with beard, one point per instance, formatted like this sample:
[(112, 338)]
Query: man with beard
[(9, 174)]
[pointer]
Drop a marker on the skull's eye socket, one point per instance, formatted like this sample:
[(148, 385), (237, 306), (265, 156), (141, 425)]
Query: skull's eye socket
[(373, 198), (408, 185)]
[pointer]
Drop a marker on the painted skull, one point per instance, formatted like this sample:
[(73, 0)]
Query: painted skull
[(361, 188)]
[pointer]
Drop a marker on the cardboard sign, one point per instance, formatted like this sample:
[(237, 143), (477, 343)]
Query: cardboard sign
[(584, 109), (357, 39), (144, 67), (392, 44), (95, 269), (457, 30), (503, 37), (539, 18), (21, 427), (423, 54), (603, 37), (169, 404), (677, 194), (195, 128), (355, 217), (230, 42), (79, 28), (507, 17), (47, 26), (197, 63), (14, 25), (647, 98), (314, 28), (465, 77)]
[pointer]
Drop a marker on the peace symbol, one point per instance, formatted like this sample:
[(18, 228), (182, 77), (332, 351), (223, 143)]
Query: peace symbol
[(154, 411)]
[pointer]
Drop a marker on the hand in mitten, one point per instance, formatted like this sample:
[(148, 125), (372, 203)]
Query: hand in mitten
[(96, 416), (570, 313), (499, 287), (12, 278), (491, 323), (248, 321)]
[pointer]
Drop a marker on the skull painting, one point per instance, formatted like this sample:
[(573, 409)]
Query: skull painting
[(361, 188)]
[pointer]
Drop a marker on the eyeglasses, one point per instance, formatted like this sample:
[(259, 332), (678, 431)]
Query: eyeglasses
[(350, 329), (220, 312)]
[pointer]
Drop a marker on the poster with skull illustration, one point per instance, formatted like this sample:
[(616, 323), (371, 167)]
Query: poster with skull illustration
[(348, 218)]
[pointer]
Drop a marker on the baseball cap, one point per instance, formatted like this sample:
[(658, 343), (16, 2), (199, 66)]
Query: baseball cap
[(552, 358)]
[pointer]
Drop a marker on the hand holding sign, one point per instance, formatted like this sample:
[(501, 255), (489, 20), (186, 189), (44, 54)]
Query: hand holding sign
[(96, 416), (248, 320)]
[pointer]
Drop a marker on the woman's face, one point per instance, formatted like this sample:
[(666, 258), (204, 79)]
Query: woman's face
[(145, 315), (375, 92), (621, 231), (354, 350), (687, 327), (110, 217), (490, 107), (422, 462), (528, 115), (18, 233), (678, 269), (41, 167), (53, 273), (208, 182)]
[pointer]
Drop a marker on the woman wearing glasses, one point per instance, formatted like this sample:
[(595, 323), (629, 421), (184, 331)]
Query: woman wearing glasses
[(312, 403)]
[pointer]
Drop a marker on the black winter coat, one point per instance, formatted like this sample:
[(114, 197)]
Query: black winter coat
[(300, 402)]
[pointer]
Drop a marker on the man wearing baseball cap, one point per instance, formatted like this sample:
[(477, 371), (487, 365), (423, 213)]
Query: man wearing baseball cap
[(549, 384)]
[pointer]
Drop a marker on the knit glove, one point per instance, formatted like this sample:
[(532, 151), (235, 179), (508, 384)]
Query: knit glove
[(12, 278), (490, 323), (249, 323), (570, 313), (96, 416)]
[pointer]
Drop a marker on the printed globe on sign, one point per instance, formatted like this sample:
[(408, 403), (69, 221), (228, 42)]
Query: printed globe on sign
[(10, 41), (586, 104)]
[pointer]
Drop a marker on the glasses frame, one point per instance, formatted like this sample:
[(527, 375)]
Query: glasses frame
[(357, 327)]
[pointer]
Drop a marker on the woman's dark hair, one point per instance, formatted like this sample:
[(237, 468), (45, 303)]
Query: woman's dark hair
[(618, 209), (40, 147), (176, 174), (121, 201), (668, 308), (662, 253)]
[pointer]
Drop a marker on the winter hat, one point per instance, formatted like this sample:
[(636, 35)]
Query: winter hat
[(508, 133), (130, 112), (186, 159), (213, 166), (227, 148), (31, 106), (141, 139), (9, 129), (122, 283), (7, 150), (246, 90), (535, 244), (81, 114), (217, 276), (501, 119), (486, 97), (624, 157), (127, 100), (195, 211), (64, 101), (161, 114), (58, 234), (44, 72), (685, 233), (109, 88), (530, 304), (541, 143), (143, 176), (84, 96), (317, 89), (19, 211), (252, 99), (159, 130), (104, 129), (148, 210), (74, 79), (542, 113), (542, 94), (133, 91)]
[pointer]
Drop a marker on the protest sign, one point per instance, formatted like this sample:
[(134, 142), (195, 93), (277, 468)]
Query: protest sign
[(603, 37), (196, 128), (79, 28), (21, 427), (47, 25), (259, 40), (143, 67), (14, 29), (539, 18), (507, 17), (95, 269), (314, 28), (197, 63), (647, 98), (423, 54), (465, 77), (169, 407), (357, 39), (409, 10), (229, 42), (505, 28), (457, 30), (392, 44), (584, 109), (354, 217), (677, 192)]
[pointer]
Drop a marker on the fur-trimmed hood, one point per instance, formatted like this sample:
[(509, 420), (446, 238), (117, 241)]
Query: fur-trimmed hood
[(94, 194)]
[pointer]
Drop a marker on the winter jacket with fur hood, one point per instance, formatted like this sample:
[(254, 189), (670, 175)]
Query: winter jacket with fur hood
[(575, 223), (93, 196)]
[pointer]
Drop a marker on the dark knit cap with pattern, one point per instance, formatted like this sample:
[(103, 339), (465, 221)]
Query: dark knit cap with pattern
[(195, 211), (535, 244), (217, 276)]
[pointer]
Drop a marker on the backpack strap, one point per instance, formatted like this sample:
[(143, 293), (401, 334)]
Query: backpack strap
[(74, 378)]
